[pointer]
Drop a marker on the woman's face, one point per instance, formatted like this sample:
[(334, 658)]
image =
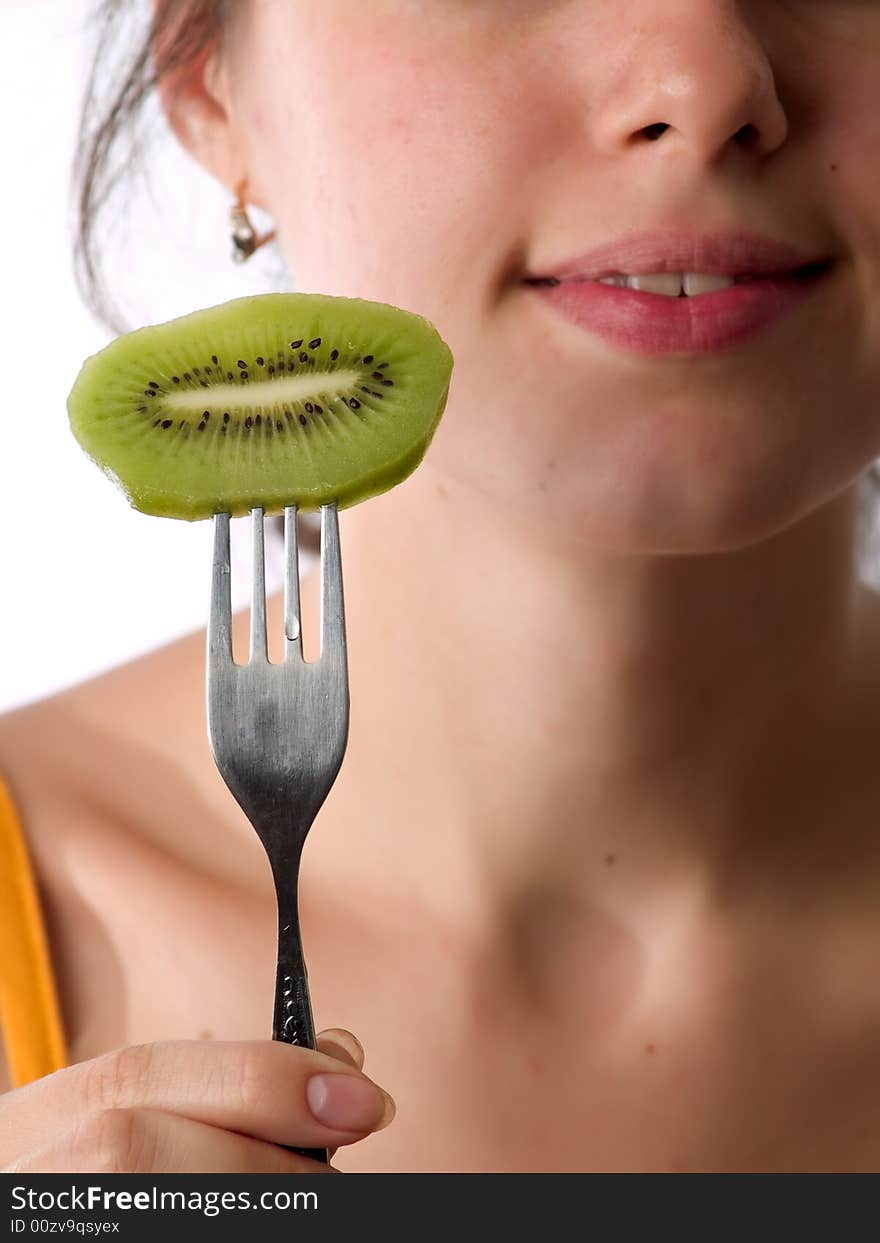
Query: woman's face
[(434, 153)]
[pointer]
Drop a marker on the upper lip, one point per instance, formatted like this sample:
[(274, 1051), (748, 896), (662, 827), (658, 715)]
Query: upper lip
[(727, 254)]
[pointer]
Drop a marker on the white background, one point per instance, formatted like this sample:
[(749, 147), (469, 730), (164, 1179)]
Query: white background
[(86, 581)]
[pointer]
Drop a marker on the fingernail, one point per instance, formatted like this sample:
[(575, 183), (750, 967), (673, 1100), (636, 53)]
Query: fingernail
[(335, 1040), (346, 1102), (350, 1037)]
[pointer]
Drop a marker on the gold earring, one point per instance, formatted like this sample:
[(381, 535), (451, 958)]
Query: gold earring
[(244, 238)]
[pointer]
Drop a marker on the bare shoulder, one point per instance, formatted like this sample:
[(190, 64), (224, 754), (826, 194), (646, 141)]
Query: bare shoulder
[(107, 752), (58, 756), (36, 751)]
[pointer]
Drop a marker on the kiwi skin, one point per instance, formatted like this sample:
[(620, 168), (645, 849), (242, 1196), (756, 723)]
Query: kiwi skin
[(269, 400)]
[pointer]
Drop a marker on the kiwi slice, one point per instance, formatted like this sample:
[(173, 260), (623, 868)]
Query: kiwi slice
[(271, 400)]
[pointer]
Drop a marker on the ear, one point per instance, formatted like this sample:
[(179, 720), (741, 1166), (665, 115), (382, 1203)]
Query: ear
[(198, 104)]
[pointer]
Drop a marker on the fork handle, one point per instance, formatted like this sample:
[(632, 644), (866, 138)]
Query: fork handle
[(292, 1021)]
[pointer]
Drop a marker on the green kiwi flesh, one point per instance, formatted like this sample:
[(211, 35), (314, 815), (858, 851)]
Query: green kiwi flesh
[(265, 401)]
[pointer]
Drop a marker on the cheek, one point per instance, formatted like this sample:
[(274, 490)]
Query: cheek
[(830, 84), (376, 150), (852, 147), (847, 145)]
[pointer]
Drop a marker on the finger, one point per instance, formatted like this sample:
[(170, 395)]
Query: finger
[(147, 1141), (339, 1043), (267, 1089)]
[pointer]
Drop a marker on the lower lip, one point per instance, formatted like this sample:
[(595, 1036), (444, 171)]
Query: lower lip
[(655, 324)]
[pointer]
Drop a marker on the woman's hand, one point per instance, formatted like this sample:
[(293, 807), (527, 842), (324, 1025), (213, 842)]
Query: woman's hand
[(193, 1106)]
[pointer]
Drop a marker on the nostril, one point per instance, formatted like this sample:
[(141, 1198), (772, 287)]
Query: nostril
[(653, 132), (748, 136)]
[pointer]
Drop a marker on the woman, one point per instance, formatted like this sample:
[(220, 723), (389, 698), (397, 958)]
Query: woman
[(597, 884)]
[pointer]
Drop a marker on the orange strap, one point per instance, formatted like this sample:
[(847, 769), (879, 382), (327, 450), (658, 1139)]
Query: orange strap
[(30, 1020)]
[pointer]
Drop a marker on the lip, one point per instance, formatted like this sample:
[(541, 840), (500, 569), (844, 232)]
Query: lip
[(647, 323), (665, 250)]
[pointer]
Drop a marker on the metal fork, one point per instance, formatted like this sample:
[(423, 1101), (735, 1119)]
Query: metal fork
[(278, 733)]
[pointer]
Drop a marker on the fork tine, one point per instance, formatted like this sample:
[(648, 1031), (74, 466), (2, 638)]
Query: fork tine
[(332, 604), (292, 628), (220, 613), (259, 652)]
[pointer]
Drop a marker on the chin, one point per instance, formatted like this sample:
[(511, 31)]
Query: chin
[(628, 506)]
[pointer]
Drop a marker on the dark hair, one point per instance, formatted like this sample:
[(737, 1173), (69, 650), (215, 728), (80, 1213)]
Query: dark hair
[(111, 140), (180, 32)]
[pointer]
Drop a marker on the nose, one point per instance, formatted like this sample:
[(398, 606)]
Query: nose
[(693, 76)]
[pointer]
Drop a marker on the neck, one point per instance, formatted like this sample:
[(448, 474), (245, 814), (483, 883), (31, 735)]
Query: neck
[(529, 715)]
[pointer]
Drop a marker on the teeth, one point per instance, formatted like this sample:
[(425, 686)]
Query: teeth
[(671, 284), (698, 282), (668, 283), (705, 282)]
